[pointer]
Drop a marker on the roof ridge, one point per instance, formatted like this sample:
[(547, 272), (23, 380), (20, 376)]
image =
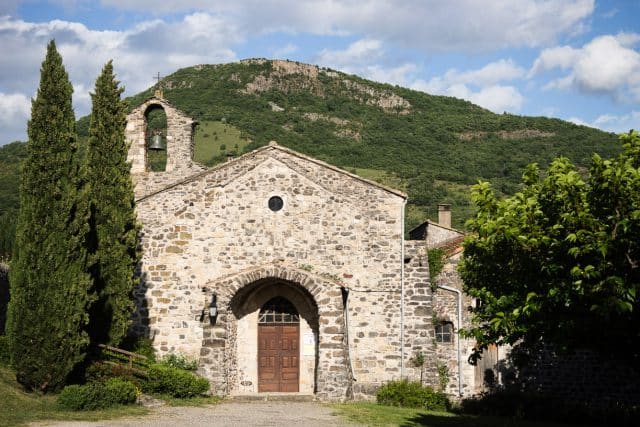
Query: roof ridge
[(273, 145)]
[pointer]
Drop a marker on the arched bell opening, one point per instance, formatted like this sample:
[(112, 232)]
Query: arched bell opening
[(276, 338), (156, 138)]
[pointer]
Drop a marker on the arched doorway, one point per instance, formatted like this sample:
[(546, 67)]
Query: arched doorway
[(229, 354), (274, 333), (278, 346)]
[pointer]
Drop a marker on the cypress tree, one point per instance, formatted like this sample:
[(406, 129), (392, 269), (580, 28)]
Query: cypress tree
[(113, 242), (49, 284)]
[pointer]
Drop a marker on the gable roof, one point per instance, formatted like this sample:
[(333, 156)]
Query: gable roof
[(272, 146), (447, 238)]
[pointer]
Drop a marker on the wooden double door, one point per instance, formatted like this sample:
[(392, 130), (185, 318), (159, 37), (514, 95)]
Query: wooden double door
[(278, 357)]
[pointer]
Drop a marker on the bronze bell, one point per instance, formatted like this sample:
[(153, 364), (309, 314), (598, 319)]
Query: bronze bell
[(157, 143)]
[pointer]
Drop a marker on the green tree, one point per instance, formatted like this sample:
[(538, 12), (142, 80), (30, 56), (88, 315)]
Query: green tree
[(558, 262), (7, 233), (113, 243), (49, 284)]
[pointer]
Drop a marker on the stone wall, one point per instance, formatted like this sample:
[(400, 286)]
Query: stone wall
[(583, 376), (446, 309), (179, 140), (217, 224), (436, 234), (219, 350), (419, 334)]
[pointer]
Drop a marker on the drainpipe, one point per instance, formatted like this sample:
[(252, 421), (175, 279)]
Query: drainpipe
[(457, 291), (404, 203), (345, 296)]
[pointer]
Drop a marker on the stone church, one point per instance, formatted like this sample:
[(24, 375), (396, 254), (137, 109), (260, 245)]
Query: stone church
[(281, 273)]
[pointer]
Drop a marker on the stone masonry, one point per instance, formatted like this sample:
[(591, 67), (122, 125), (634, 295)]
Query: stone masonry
[(335, 250), (333, 247)]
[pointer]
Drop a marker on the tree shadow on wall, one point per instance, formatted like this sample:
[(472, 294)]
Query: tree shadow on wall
[(139, 334), (141, 326)]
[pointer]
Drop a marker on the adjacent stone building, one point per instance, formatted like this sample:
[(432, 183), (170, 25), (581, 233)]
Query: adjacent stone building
[(281, 273)]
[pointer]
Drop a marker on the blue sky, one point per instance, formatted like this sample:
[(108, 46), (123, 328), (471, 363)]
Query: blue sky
[(578, 60)]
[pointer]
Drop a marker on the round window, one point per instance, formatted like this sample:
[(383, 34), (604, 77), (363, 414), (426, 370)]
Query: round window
[(275, 203)]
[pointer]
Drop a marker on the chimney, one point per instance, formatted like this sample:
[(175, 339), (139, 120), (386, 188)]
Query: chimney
[(444, 215)]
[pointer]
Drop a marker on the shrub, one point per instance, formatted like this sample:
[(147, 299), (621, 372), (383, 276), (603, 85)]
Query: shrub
[(98, 395), (5, 355), (180, 362), (413, 395), (101, 372), (80, 397), (142, 346), (175, 382), (118, 391)]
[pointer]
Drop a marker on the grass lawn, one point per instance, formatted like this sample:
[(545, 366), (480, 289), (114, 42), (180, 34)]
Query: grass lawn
[(20, 408), (372, 414), (214, 139), (388, 179)]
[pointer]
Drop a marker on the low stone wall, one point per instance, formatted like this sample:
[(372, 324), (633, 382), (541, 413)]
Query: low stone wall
[(583, 376)]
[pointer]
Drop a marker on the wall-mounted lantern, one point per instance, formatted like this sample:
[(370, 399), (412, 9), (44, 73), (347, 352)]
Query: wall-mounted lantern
[(213, 309)]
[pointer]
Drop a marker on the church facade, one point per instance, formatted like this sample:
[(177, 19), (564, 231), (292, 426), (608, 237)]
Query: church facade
[(282, 273)]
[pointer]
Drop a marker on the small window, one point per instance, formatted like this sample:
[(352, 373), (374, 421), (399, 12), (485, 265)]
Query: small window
[(444, 332), (276, 203), (278, 310)]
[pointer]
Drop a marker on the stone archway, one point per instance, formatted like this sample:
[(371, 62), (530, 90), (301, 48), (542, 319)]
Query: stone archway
[(229, 350), (178, 134), (156, 126), (246, 306)]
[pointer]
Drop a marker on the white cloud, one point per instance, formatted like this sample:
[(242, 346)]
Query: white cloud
[(612, 122), (489, 75), (497, 98), (282, 52), (560, 83), (482, 86), (15, 109), (365, 58), (401, 75), (619, 123), (607, 64), (357, 53), (138, 53), (424, 24), (557, 57), (579, 121), (8, 7)]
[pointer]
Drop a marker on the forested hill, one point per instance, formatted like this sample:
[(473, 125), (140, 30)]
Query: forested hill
[(432, 147)]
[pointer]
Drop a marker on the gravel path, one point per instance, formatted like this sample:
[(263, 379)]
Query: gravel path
[(289, 414)]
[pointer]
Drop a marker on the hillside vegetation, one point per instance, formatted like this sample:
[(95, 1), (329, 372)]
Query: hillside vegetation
[(432, 147)]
